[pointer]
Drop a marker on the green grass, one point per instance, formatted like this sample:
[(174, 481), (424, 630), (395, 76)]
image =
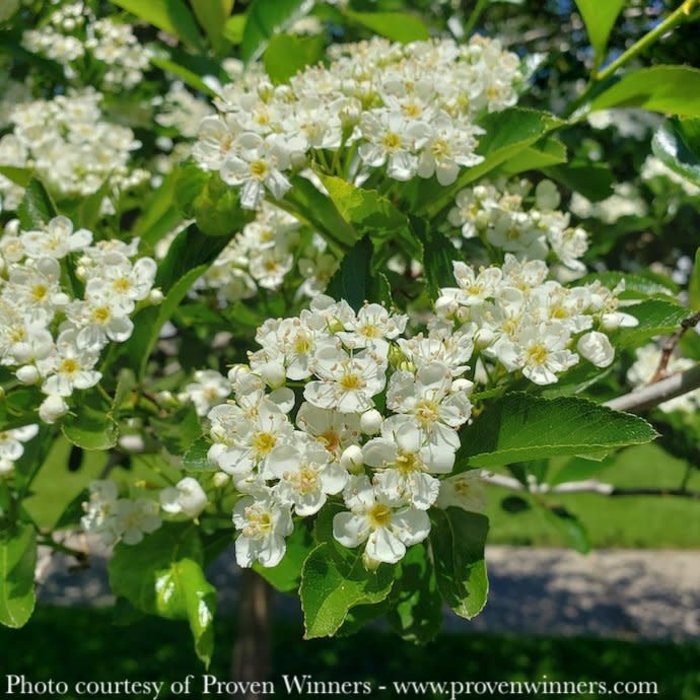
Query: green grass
[(79, 644), (645, 522)]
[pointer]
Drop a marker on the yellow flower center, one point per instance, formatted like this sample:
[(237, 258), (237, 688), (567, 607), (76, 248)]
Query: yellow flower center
[(258, 169), (350, 382), (391, 141), (538, 354), (263, 443), (259, 522), (101, 314), (69, 366), (408, 462), (379, 515), (121, 285), (427, 412), (39, 292)]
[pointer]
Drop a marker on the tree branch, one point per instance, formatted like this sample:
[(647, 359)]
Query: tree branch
[(590, 486), (652, 395), (671, 344)]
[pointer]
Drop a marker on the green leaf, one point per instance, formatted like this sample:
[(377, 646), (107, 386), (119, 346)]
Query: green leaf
[(397, 26), (165, 62), (417, 615), (351, 279), (366, 210), (637, 286), (90, 425), (134, 569), (212, 16), (20, 176), (545, 152), (334, 580), (521, 427), (91, 206), (160, 214), (17, 563), (265, 19), (676, 144), (172, 16), (570, 527), (183, 592), (331, 586), (438, 256), (667, 89), (593, 180), (656, 317), (179, 429), (287, 54), (322, 213), (196, 456), (36, 208), (234, 28), (599, 18), (457, 540)]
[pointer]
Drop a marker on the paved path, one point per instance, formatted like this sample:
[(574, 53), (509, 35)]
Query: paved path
[(609, 593)]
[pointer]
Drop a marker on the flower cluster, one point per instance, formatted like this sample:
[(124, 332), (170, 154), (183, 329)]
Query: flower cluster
[(265, 251), (120, 519), (373, 424), (55, 316), (70, 147), (521, 321), (499, 215), (410, 110), (73, 32), (12, 446)]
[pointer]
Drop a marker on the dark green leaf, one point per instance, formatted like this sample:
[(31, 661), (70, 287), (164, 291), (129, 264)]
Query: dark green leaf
[(656, 317), (17, 563), (417, 615), (20, 176), (457, 540), (439, 254), (593, 180), (521, 427), (287, 54), (694, 284), (639, 286), (90, 425), (36, 208)]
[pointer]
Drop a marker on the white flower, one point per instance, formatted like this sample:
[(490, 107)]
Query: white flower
[(387, 531), (11, 441), (208, 389), (306, 475), (69, 367), (333, 430), (133, 519), (57, 240), (186, 497), (403, 465), (347, 382), (264, 523), (465, 490)]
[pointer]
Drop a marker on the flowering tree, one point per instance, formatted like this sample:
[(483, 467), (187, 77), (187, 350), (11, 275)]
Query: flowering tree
[(307, 303)]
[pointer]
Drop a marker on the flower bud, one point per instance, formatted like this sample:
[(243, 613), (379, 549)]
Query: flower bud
[(28, 374), (352, 459), (52, 408), (220, 480), (273, 373), (155, 297), (371, 422)]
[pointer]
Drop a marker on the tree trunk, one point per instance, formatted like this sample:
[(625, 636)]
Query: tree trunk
[(251, 651)]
